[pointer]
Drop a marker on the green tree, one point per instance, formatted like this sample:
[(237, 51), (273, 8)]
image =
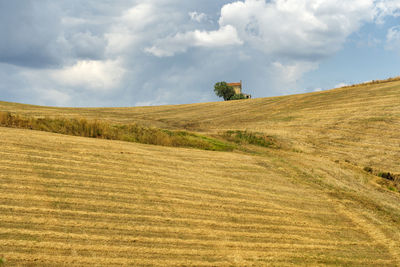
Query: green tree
[(222, 89), (237, 97)]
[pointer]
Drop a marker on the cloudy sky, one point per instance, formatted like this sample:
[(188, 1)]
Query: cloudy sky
[(154, 52)]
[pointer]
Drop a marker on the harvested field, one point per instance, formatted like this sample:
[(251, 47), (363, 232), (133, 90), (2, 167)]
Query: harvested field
[(71, 200), (68, 200)]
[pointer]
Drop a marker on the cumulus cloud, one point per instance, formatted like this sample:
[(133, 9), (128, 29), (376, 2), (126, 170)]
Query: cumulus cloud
[(91, 74), (386, 8), (139, 25), (304, 29), (118, 40), (299, 29), (132, 52), (139, 16), (84, 83), (180, 42)]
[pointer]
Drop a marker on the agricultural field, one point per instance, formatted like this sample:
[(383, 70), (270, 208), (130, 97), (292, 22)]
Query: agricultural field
[(299, 180)]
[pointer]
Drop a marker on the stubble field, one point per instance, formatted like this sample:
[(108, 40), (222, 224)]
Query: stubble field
[(68, 200)]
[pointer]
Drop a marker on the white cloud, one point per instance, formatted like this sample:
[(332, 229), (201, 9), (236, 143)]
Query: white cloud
[(180, 42), (106, 47), (294, 71), (339, 85), (140, 25), (139, 16), (91, 74), (198, 17), (297, 28), (82, 83), (287, 75), (119, 40), (393, 39), (128, 29), (386, 8)]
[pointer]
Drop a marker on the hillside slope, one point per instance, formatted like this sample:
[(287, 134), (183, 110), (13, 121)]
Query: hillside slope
[(360, 124), (72, 200), (68, 200)]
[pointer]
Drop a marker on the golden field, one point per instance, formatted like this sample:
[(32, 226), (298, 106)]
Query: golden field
[(68, 200)]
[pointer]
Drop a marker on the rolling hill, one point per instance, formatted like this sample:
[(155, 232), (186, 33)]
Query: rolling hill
[(315, 198)]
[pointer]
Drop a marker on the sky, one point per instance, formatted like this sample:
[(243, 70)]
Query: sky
[(99, 53)]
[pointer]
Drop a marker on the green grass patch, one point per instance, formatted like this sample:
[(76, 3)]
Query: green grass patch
[(392, 188), (252, 138), (124, 132)]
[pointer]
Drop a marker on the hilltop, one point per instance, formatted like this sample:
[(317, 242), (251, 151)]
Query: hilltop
[(319, 195), (358, 123)]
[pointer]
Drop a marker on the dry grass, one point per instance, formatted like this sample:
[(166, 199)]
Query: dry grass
[(107, 130), (71, 200), (359, 124), (68, 200)]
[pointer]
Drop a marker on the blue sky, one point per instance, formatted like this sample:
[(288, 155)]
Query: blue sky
[(155, 52)]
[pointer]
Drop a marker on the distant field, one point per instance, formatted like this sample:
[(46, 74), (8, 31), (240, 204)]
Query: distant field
[(360, 124), (67, 200)]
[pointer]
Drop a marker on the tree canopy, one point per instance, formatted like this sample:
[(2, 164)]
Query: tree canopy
[(237, 97), (222, 89)]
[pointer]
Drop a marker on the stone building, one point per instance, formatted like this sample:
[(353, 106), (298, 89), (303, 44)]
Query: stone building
[(238, 89)]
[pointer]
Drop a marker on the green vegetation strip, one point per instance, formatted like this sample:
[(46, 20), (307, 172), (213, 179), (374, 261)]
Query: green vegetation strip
[(105, 130), (246, 137)]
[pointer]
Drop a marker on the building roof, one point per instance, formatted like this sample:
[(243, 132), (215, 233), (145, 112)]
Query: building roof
[(234, 84)]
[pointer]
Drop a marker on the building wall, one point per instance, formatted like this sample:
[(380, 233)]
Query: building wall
[(237, 89)]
